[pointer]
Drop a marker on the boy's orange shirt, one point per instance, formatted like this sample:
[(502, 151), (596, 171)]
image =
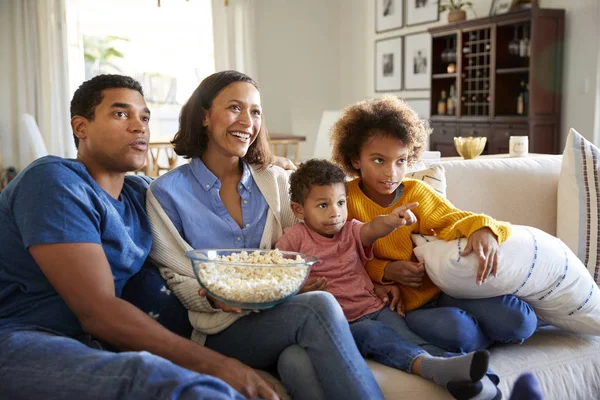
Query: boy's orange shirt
[(434, 214)]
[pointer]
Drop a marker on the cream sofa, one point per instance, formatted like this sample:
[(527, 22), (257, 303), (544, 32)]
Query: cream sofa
[(522, 191)]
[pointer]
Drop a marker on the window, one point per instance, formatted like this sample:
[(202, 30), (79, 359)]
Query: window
[(168, 49)]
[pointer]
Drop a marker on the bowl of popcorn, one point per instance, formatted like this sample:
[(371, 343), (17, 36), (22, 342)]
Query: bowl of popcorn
[(250, 278)]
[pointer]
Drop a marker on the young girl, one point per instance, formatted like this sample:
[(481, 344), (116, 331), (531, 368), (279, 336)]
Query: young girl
[(375, 141), (318, 194)]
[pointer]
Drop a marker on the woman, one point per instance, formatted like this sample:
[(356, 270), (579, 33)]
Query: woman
[(229, 196)]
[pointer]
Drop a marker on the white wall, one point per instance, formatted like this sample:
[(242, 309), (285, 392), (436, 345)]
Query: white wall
[(318, 55), (298, 55)]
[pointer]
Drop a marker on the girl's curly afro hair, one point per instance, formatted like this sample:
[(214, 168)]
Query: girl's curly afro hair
[(386, 116)]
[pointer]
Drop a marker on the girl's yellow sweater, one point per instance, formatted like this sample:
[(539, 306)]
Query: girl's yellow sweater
[(435, 215)]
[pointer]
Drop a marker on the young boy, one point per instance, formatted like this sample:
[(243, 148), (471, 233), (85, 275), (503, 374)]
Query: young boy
[(318, 194)]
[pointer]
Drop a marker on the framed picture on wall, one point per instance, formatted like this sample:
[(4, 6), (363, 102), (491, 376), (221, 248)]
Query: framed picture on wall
[(388, 15), (421, 106), (417, 61), (501, 6), (388, 64), (422, 11)]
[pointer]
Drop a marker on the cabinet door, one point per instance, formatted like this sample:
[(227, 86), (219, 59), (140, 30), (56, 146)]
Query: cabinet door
[(466, 130), (502, 134), (442, 138)]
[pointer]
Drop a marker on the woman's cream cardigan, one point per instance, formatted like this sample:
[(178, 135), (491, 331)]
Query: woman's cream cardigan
[(169, 248)]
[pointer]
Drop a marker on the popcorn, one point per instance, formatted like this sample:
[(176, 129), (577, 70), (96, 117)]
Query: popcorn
[(265, 282)]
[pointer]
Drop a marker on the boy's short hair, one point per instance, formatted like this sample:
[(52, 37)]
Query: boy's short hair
[(89, 94), (387, 116), (314, 173)]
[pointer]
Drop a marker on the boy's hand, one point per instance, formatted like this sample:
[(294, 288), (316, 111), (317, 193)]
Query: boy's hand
[(405, 272), (483, 242), (385, 292), (402, 215), (383, 225), (313, 284)]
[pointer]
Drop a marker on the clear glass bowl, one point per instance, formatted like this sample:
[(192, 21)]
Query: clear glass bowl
[(250, 285)]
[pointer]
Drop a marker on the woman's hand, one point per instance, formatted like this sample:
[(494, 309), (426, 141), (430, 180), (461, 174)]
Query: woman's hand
[(243, 379), (407, 273), (313, 284), (385, 292), (484, 243), (217, 304), (284, 163)]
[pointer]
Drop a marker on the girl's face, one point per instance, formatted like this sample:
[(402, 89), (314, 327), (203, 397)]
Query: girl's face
[(382, 164), (234, 120)]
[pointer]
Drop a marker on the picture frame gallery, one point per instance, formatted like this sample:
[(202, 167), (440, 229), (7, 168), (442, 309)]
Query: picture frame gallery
[(388, 64)]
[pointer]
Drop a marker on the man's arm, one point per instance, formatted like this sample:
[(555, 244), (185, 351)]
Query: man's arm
[(80, 273)]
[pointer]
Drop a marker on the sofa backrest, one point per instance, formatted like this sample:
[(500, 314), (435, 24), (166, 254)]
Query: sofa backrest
[(518, 190)]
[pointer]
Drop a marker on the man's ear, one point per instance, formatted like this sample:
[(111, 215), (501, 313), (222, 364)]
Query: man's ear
[(356, 164), (297, 209), (79, 126)]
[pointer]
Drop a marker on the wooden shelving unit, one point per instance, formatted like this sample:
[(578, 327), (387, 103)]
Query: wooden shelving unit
[(492, 67)]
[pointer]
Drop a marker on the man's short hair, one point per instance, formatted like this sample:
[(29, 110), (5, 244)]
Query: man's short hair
[(314, 173), (89, 94)]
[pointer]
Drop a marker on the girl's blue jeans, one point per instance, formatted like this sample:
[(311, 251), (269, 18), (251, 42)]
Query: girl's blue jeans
[(466, 325)]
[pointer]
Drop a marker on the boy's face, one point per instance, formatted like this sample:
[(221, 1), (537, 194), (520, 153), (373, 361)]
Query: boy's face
[(382, 164), (324, 210)]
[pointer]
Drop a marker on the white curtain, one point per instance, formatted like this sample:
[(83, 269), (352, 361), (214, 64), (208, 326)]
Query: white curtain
[(39, 77), (233, 34), (596, 137)]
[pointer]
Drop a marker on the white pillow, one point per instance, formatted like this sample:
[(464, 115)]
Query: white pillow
[(578, 217), (434, 176), (532, 265)]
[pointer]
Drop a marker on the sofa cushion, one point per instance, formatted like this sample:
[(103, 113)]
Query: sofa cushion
[(532, 265), (518, 190), (566, 364), (578, 218), (434, 176)]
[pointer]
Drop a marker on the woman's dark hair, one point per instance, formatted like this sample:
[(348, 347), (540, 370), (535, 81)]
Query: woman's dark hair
[(89, 94), (191, 139), (314, 173), (387, 116)]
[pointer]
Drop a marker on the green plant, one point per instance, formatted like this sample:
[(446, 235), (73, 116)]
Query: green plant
[(452, 5), (100, 51)]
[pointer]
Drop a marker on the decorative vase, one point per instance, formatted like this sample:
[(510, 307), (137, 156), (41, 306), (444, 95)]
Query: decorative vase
[(456, 16)]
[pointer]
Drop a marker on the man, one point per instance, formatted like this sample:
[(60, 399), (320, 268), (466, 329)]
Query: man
[(73, 232)]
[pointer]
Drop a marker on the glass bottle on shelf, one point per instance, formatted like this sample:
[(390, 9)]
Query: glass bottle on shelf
[(525, 98), (524, 44), (451, 102), (441, 106), (521, 100), (515, 45)]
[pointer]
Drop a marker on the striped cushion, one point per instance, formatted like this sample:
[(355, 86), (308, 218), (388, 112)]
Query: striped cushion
[(579, 201), (434, 176)]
